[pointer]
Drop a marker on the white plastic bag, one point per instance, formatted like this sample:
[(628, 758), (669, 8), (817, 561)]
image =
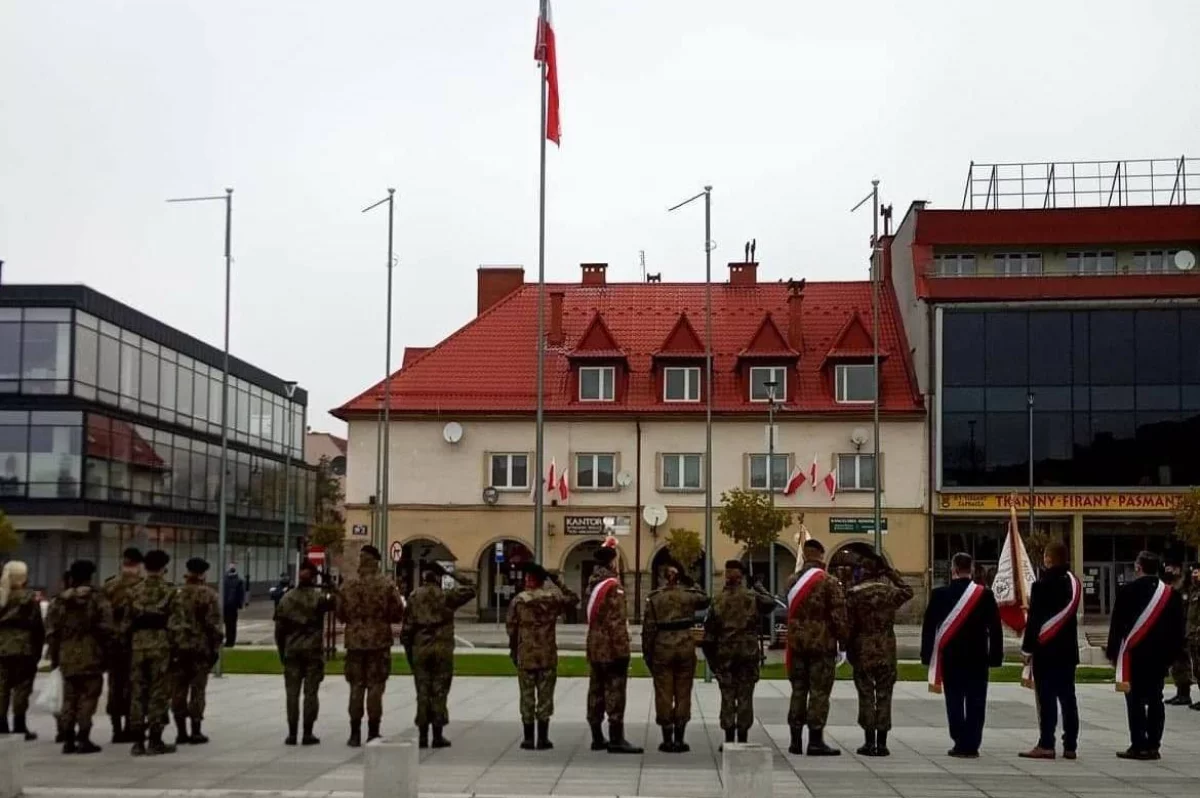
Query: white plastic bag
[(51, 696)]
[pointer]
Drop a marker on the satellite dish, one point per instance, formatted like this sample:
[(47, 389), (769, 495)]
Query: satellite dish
[(490, 496), (654, 514), (1185, 260), (625, 479), (859, 436), (452, 432)]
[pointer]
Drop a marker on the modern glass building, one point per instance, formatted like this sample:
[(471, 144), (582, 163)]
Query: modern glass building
[(110, 435)]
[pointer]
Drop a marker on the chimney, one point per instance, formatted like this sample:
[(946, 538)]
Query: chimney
[(743, 273), (555, 335), (795, 314), (593, 273), (495, 283)]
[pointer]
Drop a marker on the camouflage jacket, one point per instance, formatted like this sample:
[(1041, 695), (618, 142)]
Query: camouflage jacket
[(150, 606), (1193, 615), (667, 622), (871, 611), (731, 628), (368, 606), (80, 631), (22, 632), (117, 589), (608, 634), (532, 625), (300, 620), (195, 623), (819, 621), (429, 621)]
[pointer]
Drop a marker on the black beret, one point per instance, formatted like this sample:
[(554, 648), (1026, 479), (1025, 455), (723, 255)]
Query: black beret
[(605, 555), (82, 570), (536, 571), (197, 565), (734, 565), (371, 551), (156, 560), (814, 544), (305, 565), (132, 554), (433, 567)]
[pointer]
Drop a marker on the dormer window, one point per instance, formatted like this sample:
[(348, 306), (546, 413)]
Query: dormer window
[(597, 383), (681, 384), (765, 378), (854, 383)]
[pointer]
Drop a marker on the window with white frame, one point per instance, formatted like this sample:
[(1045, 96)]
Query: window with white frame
[(510, 471), (957, 265), (1092, 262), (595, 471), (854, 382), (856, 471), (760, 376), (1155, 261), (1017, 264), (681, 384), (596, 383), (680, 471), (779, 472)]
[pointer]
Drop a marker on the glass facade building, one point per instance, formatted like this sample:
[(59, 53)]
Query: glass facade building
[(110, 435)]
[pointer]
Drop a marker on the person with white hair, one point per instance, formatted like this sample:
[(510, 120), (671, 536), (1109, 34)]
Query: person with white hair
[(22, 634)]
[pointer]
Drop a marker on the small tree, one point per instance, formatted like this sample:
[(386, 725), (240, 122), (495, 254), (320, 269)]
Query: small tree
[(747, 517), (1036, 545), (1187, 518), (329, 527), (10, 538), (685, 546)]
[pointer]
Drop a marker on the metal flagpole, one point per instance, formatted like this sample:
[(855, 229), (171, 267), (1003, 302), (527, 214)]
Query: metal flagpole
[(383, 433), (540, 442), (1029, 401), (876, 269), (290, 389)]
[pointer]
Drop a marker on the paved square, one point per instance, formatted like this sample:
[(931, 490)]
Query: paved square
[(246, 725)]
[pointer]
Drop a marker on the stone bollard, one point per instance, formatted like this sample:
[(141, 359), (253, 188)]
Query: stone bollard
[(747, 771), (12, 761), (389, 769)]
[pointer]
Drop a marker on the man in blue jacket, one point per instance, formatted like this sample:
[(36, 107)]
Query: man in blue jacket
[(235, 601)]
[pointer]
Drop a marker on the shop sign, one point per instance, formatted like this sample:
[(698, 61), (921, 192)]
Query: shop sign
[(1122, 502), (597, 524), (855, 526), (359, 530), (1091, 581)]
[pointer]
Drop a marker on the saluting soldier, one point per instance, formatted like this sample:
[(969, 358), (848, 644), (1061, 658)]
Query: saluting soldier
[(533, 645), (117, 589), (368, 606), (1181, 666), (731, 648), (196, 635), (608, 652), (150, 606), (81, 630), (871, 607), (299, 624), (670, 652), (428, 639)]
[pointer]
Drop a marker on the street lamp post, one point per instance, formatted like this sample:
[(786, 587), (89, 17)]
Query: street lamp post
[(385, 438), (221, 511), (290, 389)]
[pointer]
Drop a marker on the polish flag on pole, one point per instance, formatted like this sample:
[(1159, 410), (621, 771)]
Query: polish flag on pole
[(1014, 577), (564, 489), (794, 482), (812, 473), (544, 54), (830, 483), (551, 482)]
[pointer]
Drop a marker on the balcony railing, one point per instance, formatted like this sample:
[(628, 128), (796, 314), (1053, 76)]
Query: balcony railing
[(1104, 263), (1082, 184)]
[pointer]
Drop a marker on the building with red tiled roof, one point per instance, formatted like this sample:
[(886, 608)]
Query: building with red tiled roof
[(625, 404)]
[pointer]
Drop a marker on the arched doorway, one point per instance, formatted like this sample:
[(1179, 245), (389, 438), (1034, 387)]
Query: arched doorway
[(758, 563), (848, 558), (500, 577), (577, 568), (414, 554), (697, 571)]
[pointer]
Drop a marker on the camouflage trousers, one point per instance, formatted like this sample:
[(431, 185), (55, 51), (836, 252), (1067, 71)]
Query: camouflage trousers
[(150, 690), (1181, 671), (367, 671), (874, 682), (537, 693), (81, 696), (606, 691), (812, 682), (673, 679), (432, 675), (191, 686), (303, 672), (16, 684), (736, 679), (119, 671)]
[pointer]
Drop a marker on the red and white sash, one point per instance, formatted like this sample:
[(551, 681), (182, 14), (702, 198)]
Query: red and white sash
[(948, 628), (597, 598), (1141, 627), (1055, 623), (796, 596)]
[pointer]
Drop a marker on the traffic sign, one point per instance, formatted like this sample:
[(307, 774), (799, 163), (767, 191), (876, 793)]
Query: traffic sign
[(316, 555), (499, 551), (396, 551)]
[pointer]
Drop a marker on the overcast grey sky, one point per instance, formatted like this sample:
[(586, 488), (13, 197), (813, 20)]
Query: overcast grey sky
[(310, 110)]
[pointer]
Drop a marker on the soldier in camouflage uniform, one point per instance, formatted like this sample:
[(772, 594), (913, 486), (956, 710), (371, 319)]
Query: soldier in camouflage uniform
[(81, 632), (670, 652), (533, 646), (61, 735), (1193, 624), (608, 653), (116, 590), (871, 648), (299, 621), (731, 648), (22, 635), (150, 607), (1181, 668), (428, 639), (196, 634), (816, 624), (368, 606)]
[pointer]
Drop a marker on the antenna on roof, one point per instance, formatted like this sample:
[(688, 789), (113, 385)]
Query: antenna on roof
[(886, 213), (642, 258)]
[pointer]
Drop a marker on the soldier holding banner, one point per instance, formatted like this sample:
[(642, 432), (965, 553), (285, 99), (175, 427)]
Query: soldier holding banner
[(608, 654)]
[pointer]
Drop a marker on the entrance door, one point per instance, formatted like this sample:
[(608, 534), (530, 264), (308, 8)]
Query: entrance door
[(1097, 588)]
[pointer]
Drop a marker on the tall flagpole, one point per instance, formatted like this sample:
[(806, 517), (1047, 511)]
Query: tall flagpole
[(540, 446)]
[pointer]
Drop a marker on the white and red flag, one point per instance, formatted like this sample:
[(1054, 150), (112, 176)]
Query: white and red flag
[(830, 483), (812, 473), (1014, 578), (544, 53), (564, 488), (795, 480), (551, 483)]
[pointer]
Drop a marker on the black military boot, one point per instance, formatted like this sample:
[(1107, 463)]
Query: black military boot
[(422, 737), (355, 740), (527, 744), (543, 736), (4, 726), (681, 746), (196, 737), (743, 735), (881, 748), (730, 736), (1183, 697), (598, 741), (19, 727), (667, 746), (309, 738), (84, 744), (797, 746), (119, 735), (69, 746), (438, 740), (372, 730), (181, 731), (156, 746), (139, 744), (291, 738), (816, 744), (617, 744), (868, 747)]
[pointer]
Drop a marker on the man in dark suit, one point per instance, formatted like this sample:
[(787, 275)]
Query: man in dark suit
[(975, 644), (1050, 643), (1151, 648)]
